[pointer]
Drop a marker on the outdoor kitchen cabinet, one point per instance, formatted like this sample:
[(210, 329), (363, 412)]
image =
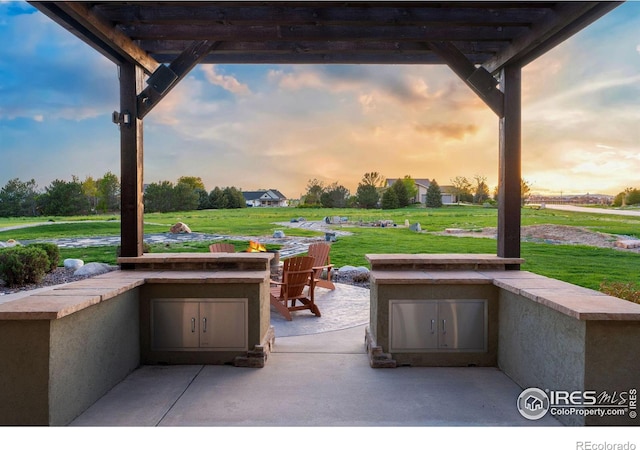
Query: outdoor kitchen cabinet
[(438, 325), (199, 324)]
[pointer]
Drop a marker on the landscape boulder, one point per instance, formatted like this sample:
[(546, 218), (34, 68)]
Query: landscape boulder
[(278, 234), (72, 263), (415, 227), (180, 228), (9, 243), (93, 268), (628, 243)]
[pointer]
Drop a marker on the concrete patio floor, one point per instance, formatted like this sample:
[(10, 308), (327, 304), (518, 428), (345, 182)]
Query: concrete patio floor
[(313, 379)]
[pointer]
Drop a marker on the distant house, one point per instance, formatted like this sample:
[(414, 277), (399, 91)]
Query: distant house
[(448, 192), (449, 195), (269, 197)]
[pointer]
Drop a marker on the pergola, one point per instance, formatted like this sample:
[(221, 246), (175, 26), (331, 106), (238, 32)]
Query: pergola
[(486, 44)]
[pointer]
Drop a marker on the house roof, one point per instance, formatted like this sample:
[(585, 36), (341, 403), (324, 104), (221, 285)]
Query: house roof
[(424, 182), (272, 194)]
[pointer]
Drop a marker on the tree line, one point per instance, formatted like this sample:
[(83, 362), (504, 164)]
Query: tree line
[(61, 198), (189, 194), (100, 196), (372, 192), (628, 197)]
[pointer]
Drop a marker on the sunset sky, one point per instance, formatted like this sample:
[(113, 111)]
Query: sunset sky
[(268, 126)]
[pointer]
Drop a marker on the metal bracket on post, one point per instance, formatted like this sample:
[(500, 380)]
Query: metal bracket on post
[(121, 118), (482, 80)]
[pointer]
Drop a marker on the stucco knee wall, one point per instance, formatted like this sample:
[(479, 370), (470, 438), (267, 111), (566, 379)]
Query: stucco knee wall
[(533, 352), (24, 372), (57, 368), (91, 351), (543, 348)]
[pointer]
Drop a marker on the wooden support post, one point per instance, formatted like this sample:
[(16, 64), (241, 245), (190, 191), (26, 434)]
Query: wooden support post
[(131, 162), (509, 208)]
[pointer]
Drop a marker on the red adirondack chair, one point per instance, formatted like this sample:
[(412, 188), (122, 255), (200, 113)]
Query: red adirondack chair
[(296, 273)]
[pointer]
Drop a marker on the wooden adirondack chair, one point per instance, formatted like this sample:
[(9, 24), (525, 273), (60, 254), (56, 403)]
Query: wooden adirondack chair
[(222, 247), (296, 273), (320, 253)]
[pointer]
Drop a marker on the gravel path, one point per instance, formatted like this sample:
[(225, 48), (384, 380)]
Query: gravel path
[(553, 234), (59, 276)]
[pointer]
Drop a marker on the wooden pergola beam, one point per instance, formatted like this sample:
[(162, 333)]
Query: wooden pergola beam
[(308, 13), (549, 33), (275, 32), (477, 78), (180, 67), (78, 18)]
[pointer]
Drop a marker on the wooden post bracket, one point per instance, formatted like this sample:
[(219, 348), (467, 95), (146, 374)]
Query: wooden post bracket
[(180, 67), (477, 78)]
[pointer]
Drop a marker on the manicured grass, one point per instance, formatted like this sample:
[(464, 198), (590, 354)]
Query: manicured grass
[(581, 265), (104, 254)]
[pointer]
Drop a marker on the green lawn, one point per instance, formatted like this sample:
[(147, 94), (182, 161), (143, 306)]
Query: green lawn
[(585, 266)]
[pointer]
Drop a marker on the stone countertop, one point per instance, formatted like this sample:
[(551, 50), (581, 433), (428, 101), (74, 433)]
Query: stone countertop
[(450, 261), (66, 299), (574, 301), (442, 258), (194, 257)]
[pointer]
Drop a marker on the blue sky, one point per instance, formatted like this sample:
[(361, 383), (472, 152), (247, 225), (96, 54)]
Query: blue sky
[(269, 126)]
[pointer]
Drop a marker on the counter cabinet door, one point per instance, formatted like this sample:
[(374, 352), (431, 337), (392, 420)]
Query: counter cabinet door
[(413, 325), (174, 324), (223, 324), (462, 325)]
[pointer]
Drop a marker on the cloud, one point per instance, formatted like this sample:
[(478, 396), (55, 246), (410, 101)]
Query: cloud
[(42, 74), (457, 131), (15, 8), (296, 80), (227, 82), (385, 84)]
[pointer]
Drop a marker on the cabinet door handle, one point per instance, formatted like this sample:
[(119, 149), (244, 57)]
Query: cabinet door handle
[(193, 324), (433, 322), (204, 325), (444, 326)]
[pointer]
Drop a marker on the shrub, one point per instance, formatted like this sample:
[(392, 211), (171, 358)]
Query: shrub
[(626, 291), (23, 265), (53, 254)]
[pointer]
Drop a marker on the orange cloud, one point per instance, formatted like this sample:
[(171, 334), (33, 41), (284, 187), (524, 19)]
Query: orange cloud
[(457, 131)]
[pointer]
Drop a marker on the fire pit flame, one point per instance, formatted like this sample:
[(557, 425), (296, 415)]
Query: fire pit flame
[(256, 247)]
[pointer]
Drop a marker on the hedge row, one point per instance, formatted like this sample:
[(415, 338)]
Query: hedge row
[(23, 265)]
